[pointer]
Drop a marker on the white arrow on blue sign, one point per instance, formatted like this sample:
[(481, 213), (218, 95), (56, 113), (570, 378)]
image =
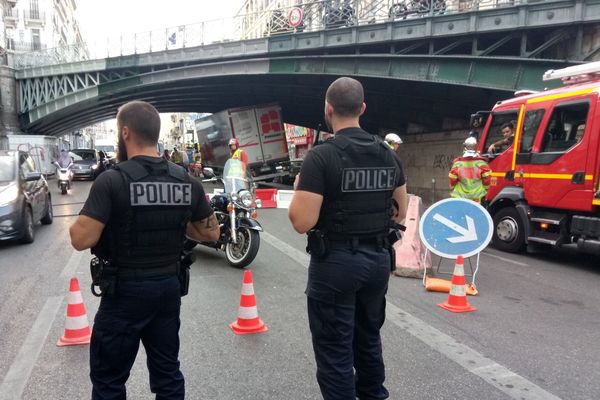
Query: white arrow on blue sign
[(456, 227)]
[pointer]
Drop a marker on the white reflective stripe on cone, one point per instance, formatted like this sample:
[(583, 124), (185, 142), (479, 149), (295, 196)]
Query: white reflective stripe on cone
[(458, 290), (247, 289), (248, 312), (74, 298), (73, 323), (459, 270)]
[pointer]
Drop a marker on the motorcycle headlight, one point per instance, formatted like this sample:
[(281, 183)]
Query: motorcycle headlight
[(9, 195), (246, 198)]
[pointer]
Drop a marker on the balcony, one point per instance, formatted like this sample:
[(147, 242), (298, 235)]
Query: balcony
[(34, 17), (12, 3), (11, 16), (25, 47)]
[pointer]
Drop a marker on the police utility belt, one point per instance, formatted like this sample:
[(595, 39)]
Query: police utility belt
[(319, 244), (105, 276)]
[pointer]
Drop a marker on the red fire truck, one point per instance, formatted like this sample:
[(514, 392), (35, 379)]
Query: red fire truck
[(544, 150)]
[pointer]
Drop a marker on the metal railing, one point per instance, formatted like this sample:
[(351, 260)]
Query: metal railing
[(34, 15), (315, 16)]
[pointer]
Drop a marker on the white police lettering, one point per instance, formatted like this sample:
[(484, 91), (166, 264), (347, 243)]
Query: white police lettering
[(160, 194), (368, 179)]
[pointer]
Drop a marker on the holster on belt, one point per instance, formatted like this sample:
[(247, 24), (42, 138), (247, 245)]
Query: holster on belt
[(183, 273), (317, 244), (104, 277)]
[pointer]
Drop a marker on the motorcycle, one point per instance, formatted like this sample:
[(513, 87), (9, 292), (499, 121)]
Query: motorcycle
[(235, 210), (334, 17), (64, 177)]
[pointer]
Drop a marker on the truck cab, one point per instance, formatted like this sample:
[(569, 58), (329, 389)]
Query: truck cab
[(545, 182)]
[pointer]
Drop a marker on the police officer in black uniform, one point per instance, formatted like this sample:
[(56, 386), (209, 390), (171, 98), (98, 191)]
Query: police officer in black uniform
[(135, 220), (349, 195)]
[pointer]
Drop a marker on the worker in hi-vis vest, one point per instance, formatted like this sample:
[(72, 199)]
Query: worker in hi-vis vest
[(470, 176), (237, 153)]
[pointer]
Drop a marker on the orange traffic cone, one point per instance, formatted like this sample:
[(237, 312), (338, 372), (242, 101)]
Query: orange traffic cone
[(248, 320), (77, 327), (457, 299)]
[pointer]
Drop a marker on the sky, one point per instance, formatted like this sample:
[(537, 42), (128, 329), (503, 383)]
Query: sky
[(100, 19)]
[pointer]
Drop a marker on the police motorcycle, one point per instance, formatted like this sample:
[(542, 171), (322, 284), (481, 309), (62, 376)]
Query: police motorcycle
[(64, 177), (235, 210)]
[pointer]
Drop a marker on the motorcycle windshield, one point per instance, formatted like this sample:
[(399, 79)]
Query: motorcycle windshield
[(235, 177)]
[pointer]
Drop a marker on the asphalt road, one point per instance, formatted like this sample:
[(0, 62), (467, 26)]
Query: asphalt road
[(534, 335)]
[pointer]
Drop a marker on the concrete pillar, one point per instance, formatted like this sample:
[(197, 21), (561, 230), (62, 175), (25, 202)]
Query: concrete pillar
[(9, 121)]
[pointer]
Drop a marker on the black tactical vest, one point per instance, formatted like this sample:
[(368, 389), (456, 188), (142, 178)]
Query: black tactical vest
[(152, 232), (361, 207)]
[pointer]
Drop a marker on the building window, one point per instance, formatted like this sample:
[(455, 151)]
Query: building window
[(34, 9), (35, 39)]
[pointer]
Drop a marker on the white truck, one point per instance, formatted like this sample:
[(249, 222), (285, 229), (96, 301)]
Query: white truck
[(260, 132), (43, 149)]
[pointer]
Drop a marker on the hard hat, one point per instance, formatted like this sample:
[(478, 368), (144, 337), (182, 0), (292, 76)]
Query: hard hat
[(234, 141), (393, 138), (470, 147)]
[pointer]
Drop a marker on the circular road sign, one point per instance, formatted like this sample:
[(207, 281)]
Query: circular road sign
[(456, 227), (295, 17)]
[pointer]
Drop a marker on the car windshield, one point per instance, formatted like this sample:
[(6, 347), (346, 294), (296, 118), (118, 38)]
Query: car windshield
[(7, 169), (86, 155)]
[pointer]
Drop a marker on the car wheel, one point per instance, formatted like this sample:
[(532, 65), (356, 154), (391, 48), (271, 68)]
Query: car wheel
[(509, 230), (49, 216), (28, 234)]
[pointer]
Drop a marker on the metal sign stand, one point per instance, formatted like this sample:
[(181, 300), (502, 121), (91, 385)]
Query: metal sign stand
[(473, 272)]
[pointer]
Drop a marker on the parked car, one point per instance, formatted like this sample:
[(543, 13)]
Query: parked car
[(87, 164), (24, 197)]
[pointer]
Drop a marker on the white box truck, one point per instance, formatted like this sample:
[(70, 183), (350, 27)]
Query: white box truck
[(43, 150), (260, 132)]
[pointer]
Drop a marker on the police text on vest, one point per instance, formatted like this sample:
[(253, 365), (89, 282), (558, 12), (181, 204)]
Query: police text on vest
[(368, 179), (160, 194)]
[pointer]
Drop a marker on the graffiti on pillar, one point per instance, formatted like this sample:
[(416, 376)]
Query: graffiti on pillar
[(442, 161)]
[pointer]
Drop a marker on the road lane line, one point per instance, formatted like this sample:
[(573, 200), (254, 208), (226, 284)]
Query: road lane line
[(16, 379), (70, 269), (508, 260), (487, 369), (299, 256)]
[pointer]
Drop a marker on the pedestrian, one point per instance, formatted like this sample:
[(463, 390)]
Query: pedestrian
[(166, 155), (470, 176), (393, 141), (176, 157), (344, 200), (135, 221), (508, 135)]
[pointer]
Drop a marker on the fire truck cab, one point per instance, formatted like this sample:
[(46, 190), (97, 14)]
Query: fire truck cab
[(543, 149)]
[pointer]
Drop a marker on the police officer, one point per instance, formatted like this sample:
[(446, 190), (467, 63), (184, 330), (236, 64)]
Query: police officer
[(344, 201), (135, 220)]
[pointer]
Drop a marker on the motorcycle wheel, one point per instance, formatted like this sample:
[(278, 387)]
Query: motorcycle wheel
[(63, 189), (242, 253)]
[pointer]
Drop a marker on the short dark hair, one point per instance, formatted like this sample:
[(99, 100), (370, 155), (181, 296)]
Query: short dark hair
[(143, 120), (507, 125), (346, 96)]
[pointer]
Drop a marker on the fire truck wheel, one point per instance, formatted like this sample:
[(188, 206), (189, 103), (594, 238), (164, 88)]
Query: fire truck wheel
[(509, 232)]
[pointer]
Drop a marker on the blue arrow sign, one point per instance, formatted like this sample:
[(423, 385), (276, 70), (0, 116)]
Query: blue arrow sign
[(456, 227)]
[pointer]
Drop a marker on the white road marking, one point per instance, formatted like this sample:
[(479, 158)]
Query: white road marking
[(508, 260), (487, 369), (16, 379), (71, 268)]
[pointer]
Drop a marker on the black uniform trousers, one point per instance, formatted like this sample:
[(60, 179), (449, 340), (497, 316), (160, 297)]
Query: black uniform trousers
[(346, 309), (146, 310)]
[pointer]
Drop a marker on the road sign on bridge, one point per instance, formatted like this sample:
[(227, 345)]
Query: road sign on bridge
[(456, 227)]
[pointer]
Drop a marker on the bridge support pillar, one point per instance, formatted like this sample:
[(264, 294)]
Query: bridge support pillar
[(9, 121)]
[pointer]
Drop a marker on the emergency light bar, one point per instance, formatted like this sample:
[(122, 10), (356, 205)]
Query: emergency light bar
[(575, 74)]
